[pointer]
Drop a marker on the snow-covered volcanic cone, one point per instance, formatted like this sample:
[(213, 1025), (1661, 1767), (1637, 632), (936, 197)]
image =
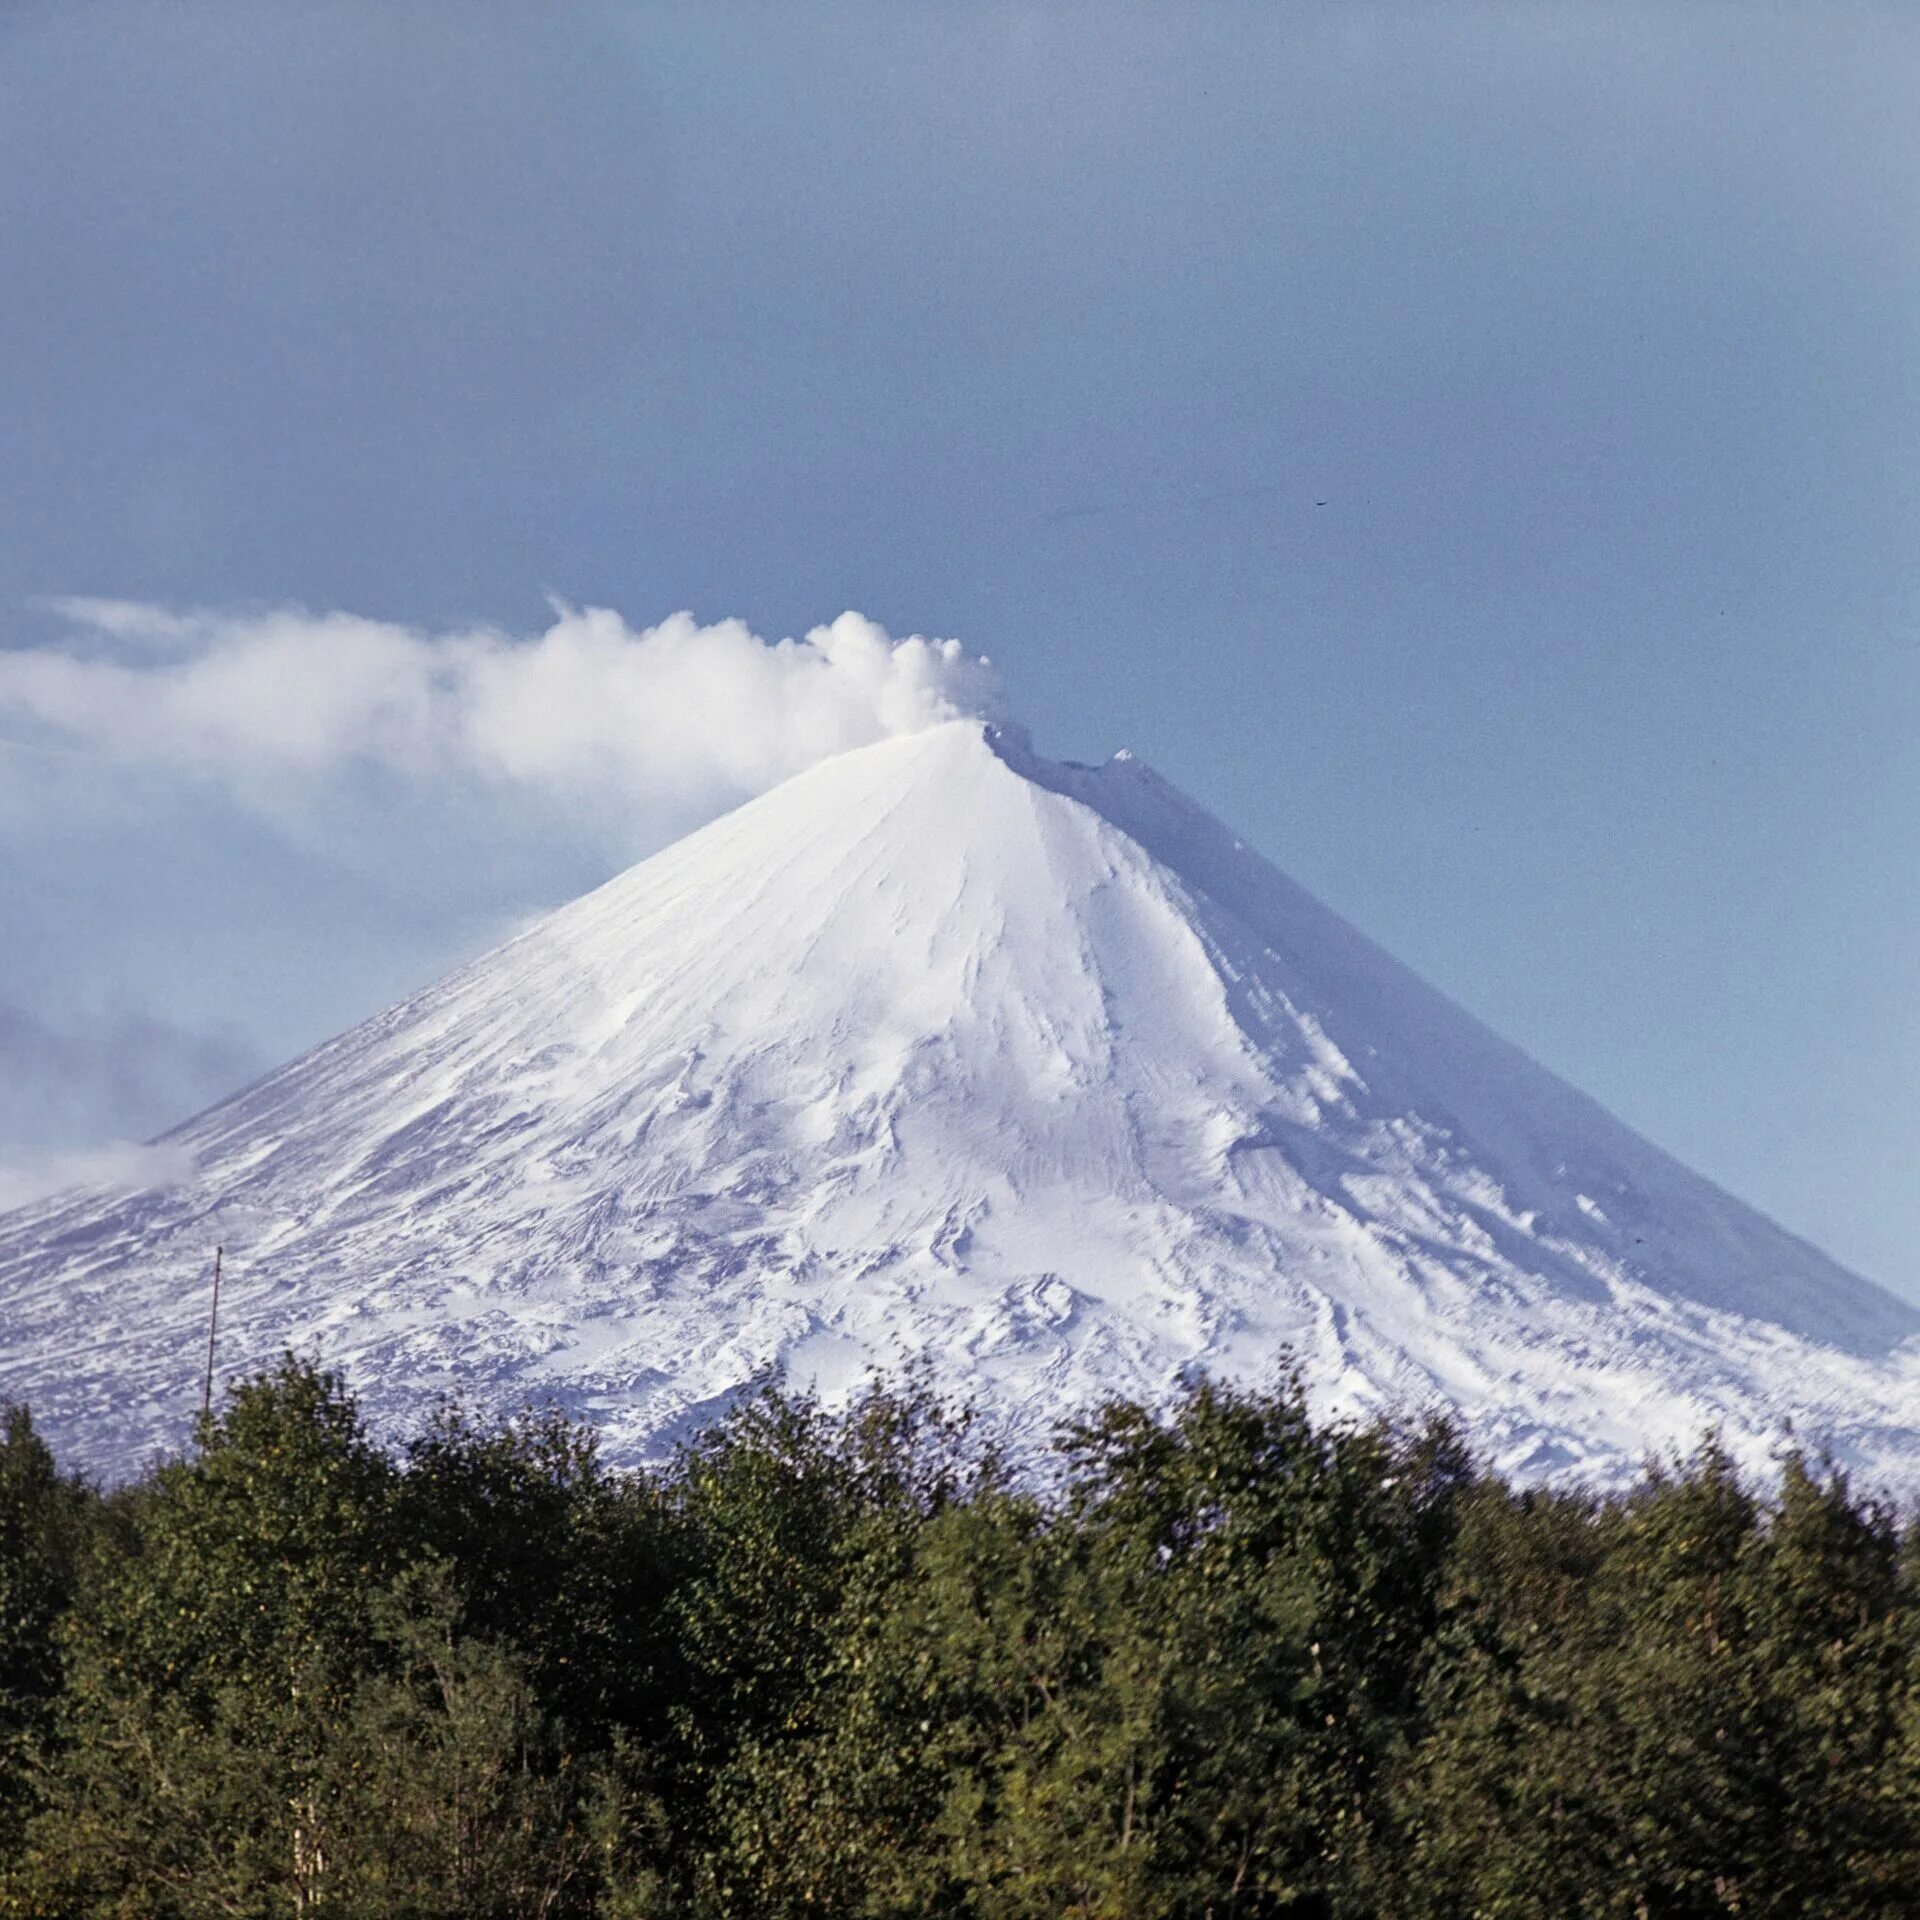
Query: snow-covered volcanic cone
[(940, 1049)]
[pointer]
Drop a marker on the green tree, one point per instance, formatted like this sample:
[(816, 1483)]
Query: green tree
[(429, 1784), (43, 1521), (1683, 1702), (257, 1554), (1170, 1691), (549, 1551), (219, 1628)]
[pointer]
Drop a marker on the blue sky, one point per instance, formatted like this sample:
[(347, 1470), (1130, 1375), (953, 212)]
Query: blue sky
[(1474, 450)]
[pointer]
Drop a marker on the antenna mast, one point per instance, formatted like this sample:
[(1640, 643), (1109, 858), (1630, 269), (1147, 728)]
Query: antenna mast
[(213, 1324)]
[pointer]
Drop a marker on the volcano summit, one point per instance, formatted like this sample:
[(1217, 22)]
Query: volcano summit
[(944, 1050)]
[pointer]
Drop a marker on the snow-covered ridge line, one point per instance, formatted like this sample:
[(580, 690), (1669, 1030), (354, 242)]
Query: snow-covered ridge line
[(943, 1049)]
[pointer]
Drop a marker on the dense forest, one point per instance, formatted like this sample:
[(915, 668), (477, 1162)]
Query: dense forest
[(1218, 1660)]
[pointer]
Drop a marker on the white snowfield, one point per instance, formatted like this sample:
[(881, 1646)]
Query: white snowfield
[(943, 1050)]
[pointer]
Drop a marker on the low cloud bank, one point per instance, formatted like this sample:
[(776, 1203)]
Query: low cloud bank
[(118, 1163), (97, 1081), (590, 709), (129, 1072)]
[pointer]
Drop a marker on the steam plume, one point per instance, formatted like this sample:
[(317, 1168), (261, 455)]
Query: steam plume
[(589, 709)]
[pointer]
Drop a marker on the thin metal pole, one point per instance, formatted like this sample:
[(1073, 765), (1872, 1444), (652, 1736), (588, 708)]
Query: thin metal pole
[(213, 1323)]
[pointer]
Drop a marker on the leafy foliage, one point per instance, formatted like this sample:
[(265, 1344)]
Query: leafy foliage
[(42, 1521), (1224, 1660)]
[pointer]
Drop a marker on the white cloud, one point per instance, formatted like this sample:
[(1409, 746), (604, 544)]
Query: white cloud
[(591, 709)]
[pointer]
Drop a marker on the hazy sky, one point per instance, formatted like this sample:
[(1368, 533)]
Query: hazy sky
[(1474, 450)]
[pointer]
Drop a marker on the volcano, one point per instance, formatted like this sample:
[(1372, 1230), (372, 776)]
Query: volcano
[(942, 1053)]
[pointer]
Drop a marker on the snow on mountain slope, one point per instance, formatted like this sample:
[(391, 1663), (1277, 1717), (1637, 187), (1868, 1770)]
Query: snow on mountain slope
[(943, 1049)]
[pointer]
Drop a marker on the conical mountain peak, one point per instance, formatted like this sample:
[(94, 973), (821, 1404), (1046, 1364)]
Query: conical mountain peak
[(945, 1051)]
